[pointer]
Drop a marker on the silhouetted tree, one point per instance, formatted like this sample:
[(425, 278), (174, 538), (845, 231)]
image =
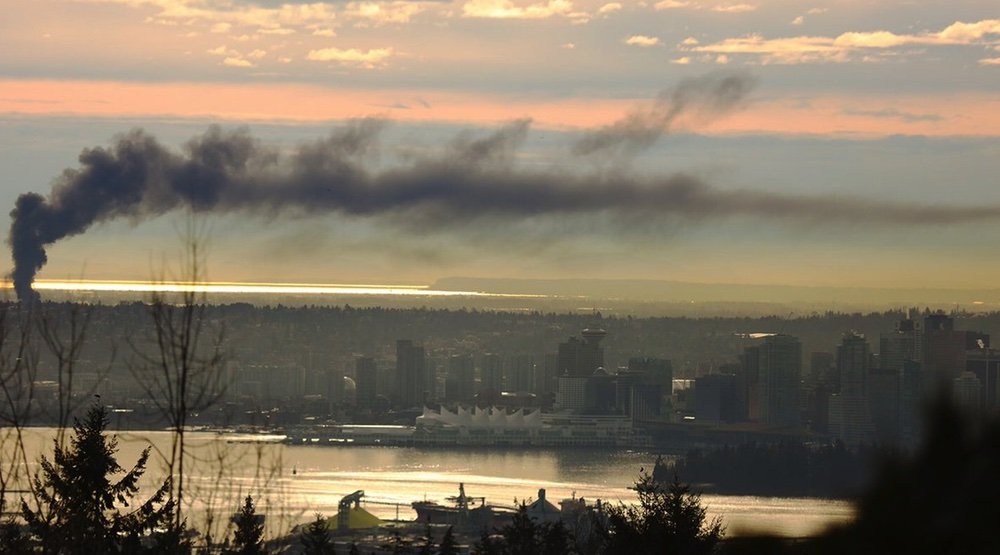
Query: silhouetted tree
[(316, 538), (520, 537), (427, 547), (248, 539), (180, 367), (448, 545), (78, 503), (487, 544), (666, 520), (13, 541), (554, 539)]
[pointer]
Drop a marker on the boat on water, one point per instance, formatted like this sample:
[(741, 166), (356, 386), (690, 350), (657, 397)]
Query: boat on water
[(464, 512)]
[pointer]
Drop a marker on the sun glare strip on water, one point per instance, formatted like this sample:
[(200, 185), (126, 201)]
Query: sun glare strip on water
[(257, 288)]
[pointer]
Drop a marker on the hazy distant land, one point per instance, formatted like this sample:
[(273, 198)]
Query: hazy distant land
[(792, 296), (608, 296)]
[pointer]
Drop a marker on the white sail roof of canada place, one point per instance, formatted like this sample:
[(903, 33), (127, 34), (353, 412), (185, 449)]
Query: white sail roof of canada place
[(491, 418)]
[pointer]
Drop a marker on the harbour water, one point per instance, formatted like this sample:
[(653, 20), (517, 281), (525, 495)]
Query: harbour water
[(293, 483)]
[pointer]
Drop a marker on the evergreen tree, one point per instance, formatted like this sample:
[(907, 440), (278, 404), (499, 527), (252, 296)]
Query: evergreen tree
[(427, 547), (487, 545), (668, 520), (448, 545), (553, 539), (521, 535), (12, 538), (79, 504), (248, 538), (316, 538)]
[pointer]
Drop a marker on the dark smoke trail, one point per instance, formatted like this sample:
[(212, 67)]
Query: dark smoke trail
[(222, 171), (708, 96)]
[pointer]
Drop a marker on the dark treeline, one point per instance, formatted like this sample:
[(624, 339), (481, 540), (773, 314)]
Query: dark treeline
[(785, 469), (302, 335)]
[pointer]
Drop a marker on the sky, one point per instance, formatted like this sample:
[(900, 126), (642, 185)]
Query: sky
[(838, 143)]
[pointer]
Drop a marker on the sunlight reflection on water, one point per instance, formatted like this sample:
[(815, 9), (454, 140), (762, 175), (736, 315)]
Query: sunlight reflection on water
[(292, 483)]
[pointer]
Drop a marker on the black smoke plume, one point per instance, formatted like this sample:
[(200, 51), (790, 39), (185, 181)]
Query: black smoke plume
[(230, 171), (706, 97)]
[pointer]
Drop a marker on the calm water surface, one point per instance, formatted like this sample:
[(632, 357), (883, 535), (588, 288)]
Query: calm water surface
[(292, 483)]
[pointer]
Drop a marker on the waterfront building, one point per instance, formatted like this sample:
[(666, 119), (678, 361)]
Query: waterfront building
[(580, 358), (460, 380), (366, 379), (572, 393), (411, 374), (491, 374), (850, 418), (780, 372), (716, 399), (519, 373)]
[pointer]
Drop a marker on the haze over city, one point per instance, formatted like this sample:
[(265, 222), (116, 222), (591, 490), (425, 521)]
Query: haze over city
[(835, 144), (499, 277)]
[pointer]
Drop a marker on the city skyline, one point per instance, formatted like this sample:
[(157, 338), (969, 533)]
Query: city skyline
[(852, 145)]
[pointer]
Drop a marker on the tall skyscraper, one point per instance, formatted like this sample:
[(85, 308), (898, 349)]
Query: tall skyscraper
[(850, 416), (900, 345), (780, 368), (460, 381), (491, 373), (411, 374), (658, 371), (749, 381), (366, 379), (579, 358), (519, 373), (945, 350), (852, 365)]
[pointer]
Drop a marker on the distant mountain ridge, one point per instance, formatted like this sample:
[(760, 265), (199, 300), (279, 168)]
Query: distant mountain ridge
[(679, 291)]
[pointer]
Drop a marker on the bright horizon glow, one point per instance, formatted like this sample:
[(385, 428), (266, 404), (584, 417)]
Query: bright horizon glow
[(128, 286)]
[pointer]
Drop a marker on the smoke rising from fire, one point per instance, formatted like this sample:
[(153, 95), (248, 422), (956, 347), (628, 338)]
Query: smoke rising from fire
[(223, 171)]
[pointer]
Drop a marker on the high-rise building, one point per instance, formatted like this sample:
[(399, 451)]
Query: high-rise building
[(366, 378), (519, 373), (850, 416), (780, 374), (460, 381), (411, 374), (334, 387), (944, 349), (822, 368), (491, 373), (967, 391), (578, 361), (900, 345), (749, 381), (580, 358), (546, 376), (884, 396), (852, 365), (659, 371), (715, 398), (985, 364)]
